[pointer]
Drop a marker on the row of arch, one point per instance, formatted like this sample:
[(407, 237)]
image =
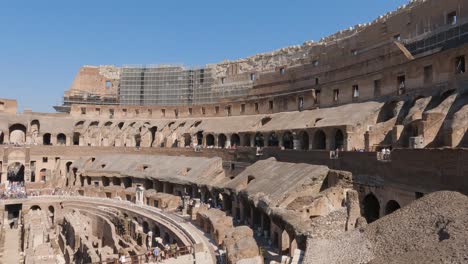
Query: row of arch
[(288, 140), (371, 207)]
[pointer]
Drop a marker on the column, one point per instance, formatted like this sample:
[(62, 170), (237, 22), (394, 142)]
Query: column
[(297, 144)]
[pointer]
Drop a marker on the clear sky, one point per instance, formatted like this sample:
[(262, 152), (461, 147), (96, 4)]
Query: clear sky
[(44, 43)]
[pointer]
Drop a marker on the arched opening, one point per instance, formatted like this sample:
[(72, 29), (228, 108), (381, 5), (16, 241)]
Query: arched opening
[(210, 140), (371, 208), (222, 141), (156, 231), (246, 140), (35, 127), (339, 140), (46, 139), (127, 181), (43, 175), (115, 181), (235, 140), (61, 139), (15, 172), (320, 140), (199, 138), (17, 134), (187, 140), (304, 137), (145, 227), (273, 140), (2, 137), (391, 207), (79, 125), (76, 139), (288, 140), (35, 208), (153, 131), (137, 140), (259, 141), (285, 241), (105, 181), (51, 214)]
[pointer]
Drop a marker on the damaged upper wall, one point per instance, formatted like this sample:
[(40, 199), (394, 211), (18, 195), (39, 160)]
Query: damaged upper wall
[(95, 81)]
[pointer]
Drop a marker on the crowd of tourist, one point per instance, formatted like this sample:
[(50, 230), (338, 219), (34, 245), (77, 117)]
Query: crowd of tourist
[(14, 190)]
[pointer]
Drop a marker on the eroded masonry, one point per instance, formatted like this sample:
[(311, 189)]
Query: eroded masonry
[(352, 144)]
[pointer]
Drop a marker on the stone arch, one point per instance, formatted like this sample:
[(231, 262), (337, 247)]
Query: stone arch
[(76, 139), (61, 139), (338, 139), (46, 139), (247, 140), (371, 207), (127, 181), (17, 134), (15, 172), (304, 138), (153, 131), (199, 138), (210, 140), (222, 140), (235, 140), (259, 141), (273, 140), (187, 140), (43, 174), (79, 124), (320, 140), (105, 181), (137, 138), (391, 207), (51, 214), (35, 208), (35, 127), (288, 142), (145, 226)]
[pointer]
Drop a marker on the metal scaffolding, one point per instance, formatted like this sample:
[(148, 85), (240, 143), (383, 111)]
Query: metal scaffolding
[(174, 85)]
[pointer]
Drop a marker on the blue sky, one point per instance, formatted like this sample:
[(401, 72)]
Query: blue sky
[(43, 43)]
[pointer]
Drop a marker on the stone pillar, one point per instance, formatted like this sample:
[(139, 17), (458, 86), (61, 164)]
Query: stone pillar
[(149, 243), (241, 140), (139, 195), (280, 140), (297, 144), (228, 141), (265, 139), (252, 141)]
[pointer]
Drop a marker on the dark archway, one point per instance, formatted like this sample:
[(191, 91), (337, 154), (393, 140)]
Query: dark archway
[(137, 140), (371, 208), (46, 139), (391, 207), (339, 140), (153, 131), (2, 137), (259, 141), (247, 140), (288, 140), (235, 140), (222, 140), (273, 140), (76, 139), (199, 138), (304, 138), (187, 140), (320, 140), (210, 140), (61, 139), (15, 172)]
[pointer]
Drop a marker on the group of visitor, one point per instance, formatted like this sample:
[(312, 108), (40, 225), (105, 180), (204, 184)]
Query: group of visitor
[(155, 255), (14, 190)]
